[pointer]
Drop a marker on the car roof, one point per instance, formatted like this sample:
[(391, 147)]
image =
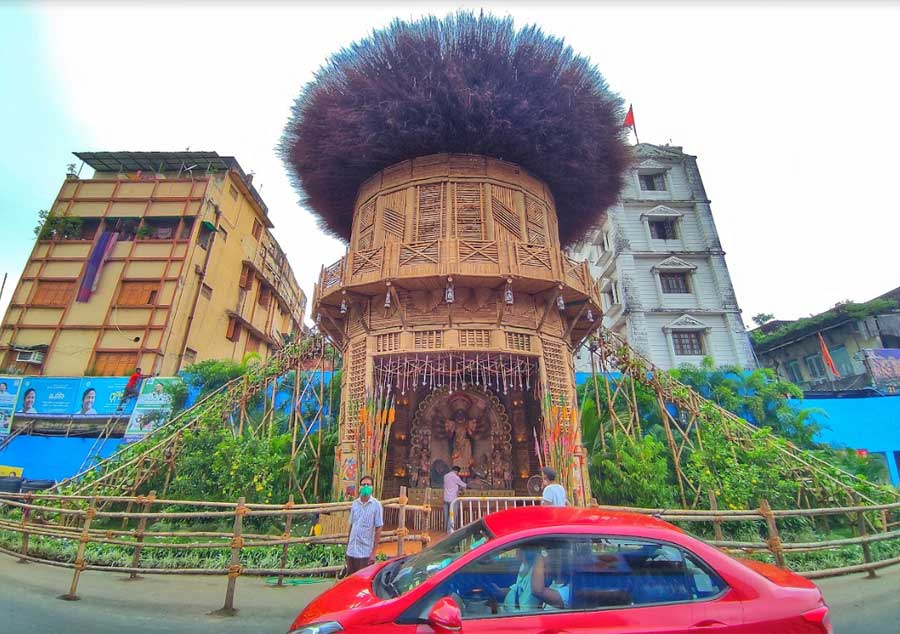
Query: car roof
[(519, 519)]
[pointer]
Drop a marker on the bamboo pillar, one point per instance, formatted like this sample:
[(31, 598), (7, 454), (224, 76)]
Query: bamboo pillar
[(139, 536), (862, 531), (717, 522), (26, 515), (79, 555), (234, 569), (288, 519), (401, 522), (774, 540)]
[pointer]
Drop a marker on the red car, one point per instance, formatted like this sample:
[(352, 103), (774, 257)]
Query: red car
[(553, 570)]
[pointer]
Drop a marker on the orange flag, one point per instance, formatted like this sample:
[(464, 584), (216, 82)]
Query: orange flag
[(826, 356)]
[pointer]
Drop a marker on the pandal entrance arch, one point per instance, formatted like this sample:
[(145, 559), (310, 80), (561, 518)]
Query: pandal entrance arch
[(476, 411)]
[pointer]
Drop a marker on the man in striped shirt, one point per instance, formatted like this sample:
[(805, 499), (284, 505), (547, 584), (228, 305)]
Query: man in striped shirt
[(366, 520)]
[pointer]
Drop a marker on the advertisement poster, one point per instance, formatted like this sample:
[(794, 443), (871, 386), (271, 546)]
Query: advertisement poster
[(100, 396), (58, 401), (9, 389), (152, 409), (47, 397), (884, 364)]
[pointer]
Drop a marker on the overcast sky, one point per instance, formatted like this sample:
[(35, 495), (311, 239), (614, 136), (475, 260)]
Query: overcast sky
[(792, 113)]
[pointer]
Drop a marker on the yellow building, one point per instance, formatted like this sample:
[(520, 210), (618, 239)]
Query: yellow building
[(160, 260)]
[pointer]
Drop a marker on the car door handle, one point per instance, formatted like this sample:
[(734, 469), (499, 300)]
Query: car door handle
[(708, 623)]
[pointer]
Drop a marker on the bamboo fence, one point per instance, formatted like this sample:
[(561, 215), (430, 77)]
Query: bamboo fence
[(70, 519)]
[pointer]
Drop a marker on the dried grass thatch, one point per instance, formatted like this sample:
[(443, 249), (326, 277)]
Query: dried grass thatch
[(463, 84)]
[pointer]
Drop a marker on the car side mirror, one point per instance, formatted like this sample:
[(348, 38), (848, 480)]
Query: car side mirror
[(445, 616)]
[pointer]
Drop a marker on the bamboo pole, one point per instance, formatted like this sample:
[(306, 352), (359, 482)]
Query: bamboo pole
[(717, 523), (139, 537), (401, 522), (866, 548), (288, 518), (774, 540), (26, 515), (234, 569), (79, 555)]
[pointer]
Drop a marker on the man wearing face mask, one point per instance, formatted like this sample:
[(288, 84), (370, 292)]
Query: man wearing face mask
[(366, 520)]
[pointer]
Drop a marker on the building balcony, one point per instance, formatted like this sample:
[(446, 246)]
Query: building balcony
[(533, 268)]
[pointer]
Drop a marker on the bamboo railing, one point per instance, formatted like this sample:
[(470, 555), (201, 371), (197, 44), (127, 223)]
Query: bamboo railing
[(73, 519)]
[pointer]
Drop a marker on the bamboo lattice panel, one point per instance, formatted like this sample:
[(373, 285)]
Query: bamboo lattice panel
[(394, 216), (535, 213), (474, 338), (507, 224), (556, 369), (430, 212), (469, 224)]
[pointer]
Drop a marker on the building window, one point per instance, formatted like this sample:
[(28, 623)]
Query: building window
[(114, 363), (652, 182), (666, 229), (204, 238), (190, 357), (674, 283), (206, 291), (252, 344), (125, 227), (160, 228), (265, 296), (53, 293), (257, 229), (688, 343), (138, 294), (246, 281), (842, 362), (233, 192), (793, 371), (815, 366), (224, 233), (234, 329), (187, 225)]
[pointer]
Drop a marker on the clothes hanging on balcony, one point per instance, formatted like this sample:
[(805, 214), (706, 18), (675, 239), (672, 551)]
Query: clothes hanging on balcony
[(95, 264)]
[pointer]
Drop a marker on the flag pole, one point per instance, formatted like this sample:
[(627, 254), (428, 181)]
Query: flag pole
[(636, 138)]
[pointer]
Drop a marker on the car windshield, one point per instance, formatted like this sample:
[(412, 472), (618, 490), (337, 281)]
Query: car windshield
[(416, 569)]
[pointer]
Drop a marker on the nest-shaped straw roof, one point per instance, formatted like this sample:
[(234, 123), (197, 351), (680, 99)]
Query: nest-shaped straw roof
[(462, 84)]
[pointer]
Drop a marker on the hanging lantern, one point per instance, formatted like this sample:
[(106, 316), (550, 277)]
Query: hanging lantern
[(387, 299), (449, 295), (508, 295), (343, 305), (560, 302), (590, 316)]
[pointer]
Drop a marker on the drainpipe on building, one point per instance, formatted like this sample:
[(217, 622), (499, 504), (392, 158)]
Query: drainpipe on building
[(190, 322)]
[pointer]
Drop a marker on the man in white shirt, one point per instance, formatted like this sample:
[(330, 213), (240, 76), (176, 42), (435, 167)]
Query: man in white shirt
[(554, 493), (366, 520), (452, 484)]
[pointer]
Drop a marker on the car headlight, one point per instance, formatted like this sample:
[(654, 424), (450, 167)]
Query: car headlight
[(326, 627)]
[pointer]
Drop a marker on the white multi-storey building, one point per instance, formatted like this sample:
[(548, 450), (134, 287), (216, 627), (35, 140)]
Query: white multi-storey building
[(665, 284)]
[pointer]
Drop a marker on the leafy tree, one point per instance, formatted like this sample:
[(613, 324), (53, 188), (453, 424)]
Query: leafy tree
[(759, 396), (762, 318)]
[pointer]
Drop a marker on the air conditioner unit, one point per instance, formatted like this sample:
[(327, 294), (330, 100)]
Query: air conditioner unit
[(30, 356)]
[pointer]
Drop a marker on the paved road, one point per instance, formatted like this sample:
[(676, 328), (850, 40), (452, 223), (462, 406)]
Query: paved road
[(179, 605)]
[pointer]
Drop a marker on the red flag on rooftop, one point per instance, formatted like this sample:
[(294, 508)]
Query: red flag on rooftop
[(629, 118), (826, 356)]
